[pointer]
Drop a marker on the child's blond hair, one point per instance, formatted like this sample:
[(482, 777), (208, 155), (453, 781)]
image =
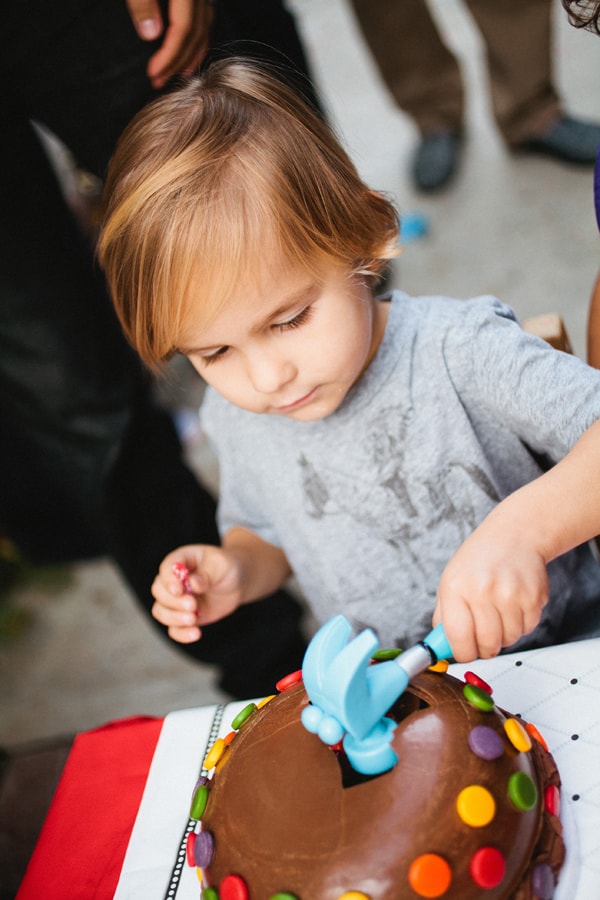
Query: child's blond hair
[(215, 181)]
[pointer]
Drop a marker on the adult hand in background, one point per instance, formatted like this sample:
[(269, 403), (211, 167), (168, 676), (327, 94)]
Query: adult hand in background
[(186, 35)]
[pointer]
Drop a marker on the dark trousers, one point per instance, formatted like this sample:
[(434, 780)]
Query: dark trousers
[(89, 464)]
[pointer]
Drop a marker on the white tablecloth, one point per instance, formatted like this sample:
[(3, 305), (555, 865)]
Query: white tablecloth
[(558, 689)]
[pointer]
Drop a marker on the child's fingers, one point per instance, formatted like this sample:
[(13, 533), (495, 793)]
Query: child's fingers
[(460, 631), (489, 631), (184, 635), (172, 596), (169, 615), (472, 632)]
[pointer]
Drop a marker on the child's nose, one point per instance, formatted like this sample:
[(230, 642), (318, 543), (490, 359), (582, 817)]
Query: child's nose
[(269, 372)]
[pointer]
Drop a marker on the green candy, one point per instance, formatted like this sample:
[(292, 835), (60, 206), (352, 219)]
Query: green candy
[(284, 895), (522, 791), (209, 894), (478, 698), (243, 714), (199, 801), (386, 653)]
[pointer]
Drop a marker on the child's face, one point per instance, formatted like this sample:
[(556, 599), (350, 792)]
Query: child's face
[(292, 347)]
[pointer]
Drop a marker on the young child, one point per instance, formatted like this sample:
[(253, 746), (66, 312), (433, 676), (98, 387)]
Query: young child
[(408, 459)]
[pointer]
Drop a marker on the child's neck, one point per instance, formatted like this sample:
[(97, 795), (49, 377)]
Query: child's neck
[(381, 310)]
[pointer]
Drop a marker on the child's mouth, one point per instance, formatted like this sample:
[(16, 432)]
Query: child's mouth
[(296, 404)]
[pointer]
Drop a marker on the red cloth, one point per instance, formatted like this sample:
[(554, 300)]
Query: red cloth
[(82, 845)]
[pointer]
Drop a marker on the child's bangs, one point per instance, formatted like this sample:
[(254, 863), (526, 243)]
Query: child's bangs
[(226, 245)]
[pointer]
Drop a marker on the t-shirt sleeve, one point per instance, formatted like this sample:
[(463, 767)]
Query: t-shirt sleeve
[(546, 397)]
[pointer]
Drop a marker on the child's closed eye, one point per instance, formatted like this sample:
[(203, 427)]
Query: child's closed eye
[(210, 358), (299, 319)]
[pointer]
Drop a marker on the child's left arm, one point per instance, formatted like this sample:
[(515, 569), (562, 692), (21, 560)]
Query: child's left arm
[(494, 588)]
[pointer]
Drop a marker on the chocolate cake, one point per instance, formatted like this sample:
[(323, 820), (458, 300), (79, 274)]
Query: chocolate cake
[(470, 810)]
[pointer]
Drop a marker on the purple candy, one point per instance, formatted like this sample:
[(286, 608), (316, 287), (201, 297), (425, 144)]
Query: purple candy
[(542, 881), (204, 847), (485, 742)]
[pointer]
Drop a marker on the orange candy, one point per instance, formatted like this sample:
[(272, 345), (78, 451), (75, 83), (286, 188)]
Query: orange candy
[(429, 875), (532, 730), (440, 666)]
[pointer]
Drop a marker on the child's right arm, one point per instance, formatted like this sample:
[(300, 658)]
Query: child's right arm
[(495, 587), (221, 579)]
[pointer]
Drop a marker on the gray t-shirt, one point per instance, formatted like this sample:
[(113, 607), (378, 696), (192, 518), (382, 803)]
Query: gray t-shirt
[(458, 408)]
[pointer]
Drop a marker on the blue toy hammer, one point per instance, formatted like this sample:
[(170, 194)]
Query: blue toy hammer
[(349, 697)]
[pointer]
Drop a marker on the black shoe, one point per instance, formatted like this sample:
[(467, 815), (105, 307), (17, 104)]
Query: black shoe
[(569, 139), (436, 160)]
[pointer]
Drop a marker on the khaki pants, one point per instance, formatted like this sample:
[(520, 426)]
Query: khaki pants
[(424, 76)]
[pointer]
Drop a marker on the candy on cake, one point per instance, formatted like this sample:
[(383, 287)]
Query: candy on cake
[(458, 799)]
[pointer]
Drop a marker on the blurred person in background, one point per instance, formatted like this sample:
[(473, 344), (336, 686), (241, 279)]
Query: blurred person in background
[(424, 77), (91, 465)]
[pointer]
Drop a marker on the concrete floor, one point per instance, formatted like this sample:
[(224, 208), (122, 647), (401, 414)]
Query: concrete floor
[(520, 227)]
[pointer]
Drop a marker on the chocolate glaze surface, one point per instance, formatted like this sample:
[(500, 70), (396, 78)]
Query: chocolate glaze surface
[(288, 813)]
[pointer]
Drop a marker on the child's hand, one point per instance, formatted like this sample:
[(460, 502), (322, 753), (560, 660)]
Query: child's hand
[(492, 591), (214, 579)]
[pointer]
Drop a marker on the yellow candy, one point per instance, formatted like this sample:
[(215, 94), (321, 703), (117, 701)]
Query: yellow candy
[(214, 754), (264, 701), (440, 666), (476, 806), (222, 760), (517, 735), (354, 895)]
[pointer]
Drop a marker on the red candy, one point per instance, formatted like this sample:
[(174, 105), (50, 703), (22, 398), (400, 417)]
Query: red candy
[(189, 848), (183, 573), (289, 681), (233, 887), (552, 800), (487, 867), (476, 681)]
